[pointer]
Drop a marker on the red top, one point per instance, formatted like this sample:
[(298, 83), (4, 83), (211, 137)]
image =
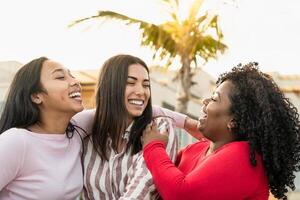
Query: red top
[(225, 174)]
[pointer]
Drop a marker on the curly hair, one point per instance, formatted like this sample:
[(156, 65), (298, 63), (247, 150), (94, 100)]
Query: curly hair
[(265, 118)]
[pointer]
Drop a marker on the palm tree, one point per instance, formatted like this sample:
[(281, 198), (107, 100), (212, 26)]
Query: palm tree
[(189, 39)]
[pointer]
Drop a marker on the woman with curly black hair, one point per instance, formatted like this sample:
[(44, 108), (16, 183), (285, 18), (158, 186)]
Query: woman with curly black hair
[(252, 144)]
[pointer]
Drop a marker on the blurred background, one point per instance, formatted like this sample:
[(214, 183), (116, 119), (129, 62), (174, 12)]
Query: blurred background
[(201, 39)]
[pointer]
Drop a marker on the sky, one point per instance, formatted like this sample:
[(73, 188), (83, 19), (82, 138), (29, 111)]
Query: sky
[(266, 31)]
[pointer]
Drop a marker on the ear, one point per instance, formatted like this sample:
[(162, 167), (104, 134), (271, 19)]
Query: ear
[(36, 98), (231, 124)]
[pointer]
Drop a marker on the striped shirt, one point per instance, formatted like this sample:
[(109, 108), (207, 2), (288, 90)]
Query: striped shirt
[(123, 176)]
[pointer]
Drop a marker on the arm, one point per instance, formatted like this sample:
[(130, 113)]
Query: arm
[(12, 151), (180, 121), (191, 126), (224, 175), (140, 185), (84, 120)]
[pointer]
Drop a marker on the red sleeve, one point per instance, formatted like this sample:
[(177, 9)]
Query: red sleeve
[(223, 177), (178, 158)]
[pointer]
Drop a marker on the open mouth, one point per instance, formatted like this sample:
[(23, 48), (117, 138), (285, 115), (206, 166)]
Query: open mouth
[(75, 95), (136, 102), (203, 116)]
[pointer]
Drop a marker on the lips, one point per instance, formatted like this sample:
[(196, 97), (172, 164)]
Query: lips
[(75, 95), (203, 114), (136, 102), (202, 118)]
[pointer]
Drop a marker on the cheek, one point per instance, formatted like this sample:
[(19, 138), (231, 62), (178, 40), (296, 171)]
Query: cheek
[(214, 111), (126, 96), (148, 94), (128, 91), (58, 93), (63, 98)]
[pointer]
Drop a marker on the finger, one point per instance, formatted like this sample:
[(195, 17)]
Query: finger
[(154, 126), (148, 127), (165, 132), (160, 122)]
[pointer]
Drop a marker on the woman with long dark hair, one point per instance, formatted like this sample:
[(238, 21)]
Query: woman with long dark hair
[(39, 152), (252, 144), (114, 167)]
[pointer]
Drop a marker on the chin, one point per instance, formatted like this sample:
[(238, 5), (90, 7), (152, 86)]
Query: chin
[(77, 110), (135, 114), (200, 128)]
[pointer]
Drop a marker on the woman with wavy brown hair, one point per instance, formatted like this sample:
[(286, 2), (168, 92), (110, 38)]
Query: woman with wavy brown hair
[(113, 162)]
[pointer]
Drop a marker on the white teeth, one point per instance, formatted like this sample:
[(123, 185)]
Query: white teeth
[(75, 94), (136, 102)]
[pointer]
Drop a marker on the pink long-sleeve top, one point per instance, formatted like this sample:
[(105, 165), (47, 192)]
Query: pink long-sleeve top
[(39, 166)]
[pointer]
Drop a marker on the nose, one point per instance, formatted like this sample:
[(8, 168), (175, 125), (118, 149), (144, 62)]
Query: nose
[(205, 101), (139, 89), (74, 82)]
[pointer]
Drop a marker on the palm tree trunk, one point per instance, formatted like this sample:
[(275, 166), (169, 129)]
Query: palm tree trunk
[(185, 82), (183, 94)]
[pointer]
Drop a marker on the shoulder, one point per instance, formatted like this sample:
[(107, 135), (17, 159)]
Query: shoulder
[(84, 119), (84, 115), (236, 149), (235, 159), (236, 154), (178, 119), (13, 141), (240, 152), (157, 110), (13, 136), (197, 146)]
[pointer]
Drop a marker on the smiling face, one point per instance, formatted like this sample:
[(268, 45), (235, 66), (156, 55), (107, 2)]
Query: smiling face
[(137, 91), (216, 119), (62, 92)]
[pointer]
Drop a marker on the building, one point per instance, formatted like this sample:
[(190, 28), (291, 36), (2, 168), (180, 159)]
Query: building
[(7, 72)]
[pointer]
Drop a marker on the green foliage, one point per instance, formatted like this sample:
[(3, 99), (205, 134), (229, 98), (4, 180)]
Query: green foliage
[(189, 39)]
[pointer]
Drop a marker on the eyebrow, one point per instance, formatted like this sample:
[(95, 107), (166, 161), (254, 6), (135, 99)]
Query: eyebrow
[(132, 77), (217, 93), (57, 70)]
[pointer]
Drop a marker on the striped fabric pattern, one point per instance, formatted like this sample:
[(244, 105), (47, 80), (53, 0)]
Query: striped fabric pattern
[(123, 176)]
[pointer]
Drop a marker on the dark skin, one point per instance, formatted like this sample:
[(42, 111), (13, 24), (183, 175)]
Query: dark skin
[(215, 124), (151, 133), (190, 125)]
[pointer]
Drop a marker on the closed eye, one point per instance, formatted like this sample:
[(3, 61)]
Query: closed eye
[(130, 83), (60, 77), (214, 97)]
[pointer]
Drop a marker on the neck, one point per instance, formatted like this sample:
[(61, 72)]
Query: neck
[(51, 124), (216, 145), (129, 121)]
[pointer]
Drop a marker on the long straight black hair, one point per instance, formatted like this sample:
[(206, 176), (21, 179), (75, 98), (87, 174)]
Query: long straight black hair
[(111, 114), (19, 111)]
